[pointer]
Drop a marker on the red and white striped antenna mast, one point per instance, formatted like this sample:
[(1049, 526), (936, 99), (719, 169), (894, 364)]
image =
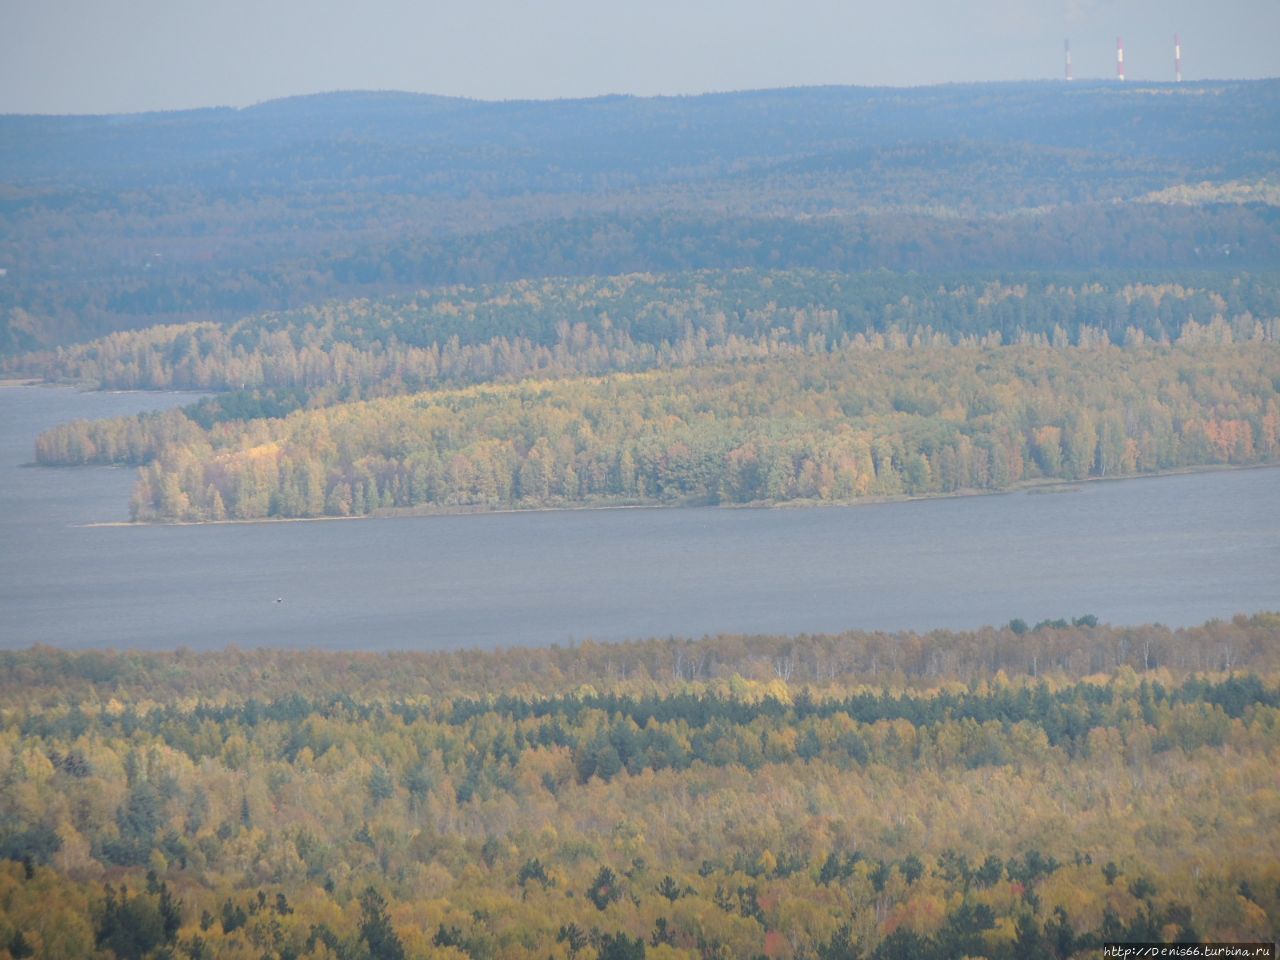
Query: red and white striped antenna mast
[(1177, 59), (1119, 58), (1066, 48)]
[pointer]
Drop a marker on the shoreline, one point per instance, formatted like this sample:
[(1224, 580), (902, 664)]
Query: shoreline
[(1038, 486)]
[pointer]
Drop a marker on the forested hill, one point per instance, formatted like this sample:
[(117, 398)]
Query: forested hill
[(120, 222), (438, 144)]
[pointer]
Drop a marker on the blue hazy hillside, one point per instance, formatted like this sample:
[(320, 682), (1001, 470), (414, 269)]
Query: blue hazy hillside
[(410, 136), (118, 222)]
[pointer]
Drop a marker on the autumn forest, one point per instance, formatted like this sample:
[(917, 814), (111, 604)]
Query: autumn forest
[(1021, 792), (387, 305)]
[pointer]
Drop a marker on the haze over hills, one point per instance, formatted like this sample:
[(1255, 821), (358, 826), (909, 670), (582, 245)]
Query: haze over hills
[(117, 222), (404, 305), (658, 135)]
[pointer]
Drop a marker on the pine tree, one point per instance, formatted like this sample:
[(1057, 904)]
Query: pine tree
[(376, 930)]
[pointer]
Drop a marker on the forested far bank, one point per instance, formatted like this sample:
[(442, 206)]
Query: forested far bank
[(345, 350), (1017, 793)]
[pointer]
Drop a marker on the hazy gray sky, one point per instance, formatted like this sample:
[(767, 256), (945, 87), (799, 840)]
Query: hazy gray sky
[(102, 56)]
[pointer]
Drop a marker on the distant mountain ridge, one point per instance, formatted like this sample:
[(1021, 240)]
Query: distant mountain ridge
[(1147, 120)]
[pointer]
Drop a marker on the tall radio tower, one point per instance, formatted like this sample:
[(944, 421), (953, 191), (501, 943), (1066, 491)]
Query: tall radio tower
[(1177, 59), (1119, 58), (1066, 47)]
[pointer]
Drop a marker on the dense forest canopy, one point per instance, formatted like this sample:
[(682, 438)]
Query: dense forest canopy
[(468, 334), (403, 303), (1018, 792), (111, 223)]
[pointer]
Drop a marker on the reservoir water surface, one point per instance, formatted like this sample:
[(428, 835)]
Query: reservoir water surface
[(1177, 550)]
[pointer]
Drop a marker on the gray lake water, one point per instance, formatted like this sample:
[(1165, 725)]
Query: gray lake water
[(1178, 550)]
